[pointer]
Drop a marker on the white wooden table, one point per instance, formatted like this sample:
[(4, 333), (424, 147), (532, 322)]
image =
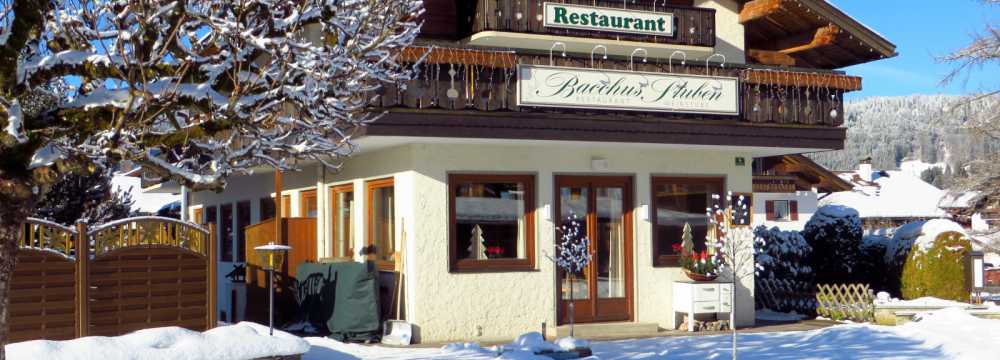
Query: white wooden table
[(691, 298)]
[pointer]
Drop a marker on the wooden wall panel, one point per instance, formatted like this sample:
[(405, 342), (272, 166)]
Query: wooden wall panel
[(42, 297)]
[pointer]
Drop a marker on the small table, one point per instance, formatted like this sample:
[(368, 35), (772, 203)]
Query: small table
[(693, 297)]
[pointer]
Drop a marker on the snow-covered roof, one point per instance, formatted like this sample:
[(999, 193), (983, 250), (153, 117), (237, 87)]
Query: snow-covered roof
[(893, 194), (144, 202), (960, 200)]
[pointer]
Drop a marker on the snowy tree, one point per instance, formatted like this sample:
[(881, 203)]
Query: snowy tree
[(190, 90), (572, 255), (81, 197), (983, 53), (783, 257), (834, 232), (736, 245)]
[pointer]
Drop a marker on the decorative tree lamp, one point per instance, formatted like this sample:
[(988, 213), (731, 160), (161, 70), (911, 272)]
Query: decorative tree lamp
[(271, 257)]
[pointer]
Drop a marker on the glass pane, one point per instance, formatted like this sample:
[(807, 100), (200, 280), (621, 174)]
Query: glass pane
[(382, 222), (266, 208), (573, 203), (489, 221), (242, 221), (227, 231), (679, 203), (343, 235), (309, 204), (610, 243), (781, 211)]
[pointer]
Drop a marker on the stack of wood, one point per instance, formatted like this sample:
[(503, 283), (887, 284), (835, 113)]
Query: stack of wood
[(714, 325)]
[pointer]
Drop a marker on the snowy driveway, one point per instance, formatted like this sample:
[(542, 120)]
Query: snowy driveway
[(947, 334)]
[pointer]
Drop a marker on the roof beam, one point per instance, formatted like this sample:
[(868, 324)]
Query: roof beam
[(823, 36), (759, 9), (768, 57)]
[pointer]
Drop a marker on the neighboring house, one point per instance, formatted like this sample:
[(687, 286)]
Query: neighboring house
[(786, 190), (972, 210), (887, 199), (146, 202), (479, 155)]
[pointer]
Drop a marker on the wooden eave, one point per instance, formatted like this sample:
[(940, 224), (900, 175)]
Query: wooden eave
[(805, 172), (809, 33)]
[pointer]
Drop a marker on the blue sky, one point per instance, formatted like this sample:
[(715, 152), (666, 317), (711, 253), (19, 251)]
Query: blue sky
[(921, 30)]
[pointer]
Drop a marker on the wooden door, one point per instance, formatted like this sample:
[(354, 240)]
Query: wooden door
[(603, 208)]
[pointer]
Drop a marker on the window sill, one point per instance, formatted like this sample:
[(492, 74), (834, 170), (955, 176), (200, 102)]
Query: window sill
[(492, 266)]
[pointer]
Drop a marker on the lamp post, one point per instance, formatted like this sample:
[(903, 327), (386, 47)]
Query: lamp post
[(271, 257)]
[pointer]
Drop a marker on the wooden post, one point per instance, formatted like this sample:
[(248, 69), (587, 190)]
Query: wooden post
[(82, 246), (277, 209), (211, 309)]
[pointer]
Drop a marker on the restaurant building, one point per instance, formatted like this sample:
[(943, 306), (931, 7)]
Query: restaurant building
[(628, 114)]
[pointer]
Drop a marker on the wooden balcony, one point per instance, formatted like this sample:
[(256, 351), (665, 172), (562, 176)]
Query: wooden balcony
[(694, 26)]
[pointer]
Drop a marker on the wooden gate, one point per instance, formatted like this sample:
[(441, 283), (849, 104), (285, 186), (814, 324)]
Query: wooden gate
[(112, 279)]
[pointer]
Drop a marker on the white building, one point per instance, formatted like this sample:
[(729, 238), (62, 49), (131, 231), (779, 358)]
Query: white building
[(477, 155), (787, 190)]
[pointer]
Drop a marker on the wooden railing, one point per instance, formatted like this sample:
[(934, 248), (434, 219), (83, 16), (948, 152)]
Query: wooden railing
[(112, 279), (488, 83), (693, 26)]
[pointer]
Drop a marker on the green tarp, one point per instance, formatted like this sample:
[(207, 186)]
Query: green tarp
[(341, 298)]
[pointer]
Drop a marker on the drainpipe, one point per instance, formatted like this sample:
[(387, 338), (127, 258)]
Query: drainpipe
[(184, 203)]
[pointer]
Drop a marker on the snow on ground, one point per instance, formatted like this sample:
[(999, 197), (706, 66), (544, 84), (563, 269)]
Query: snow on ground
[(927, 301), (144, 202), (242, 341), (944, 334)]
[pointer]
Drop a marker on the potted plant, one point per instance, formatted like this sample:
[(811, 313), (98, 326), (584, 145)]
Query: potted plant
[(698, 266)]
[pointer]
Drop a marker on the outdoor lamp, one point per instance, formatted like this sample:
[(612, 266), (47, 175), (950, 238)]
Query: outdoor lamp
[(271, 256)]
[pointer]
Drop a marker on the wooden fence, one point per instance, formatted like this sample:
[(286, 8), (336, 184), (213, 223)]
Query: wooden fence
[(112, 279), (300, 235), (846, 301)]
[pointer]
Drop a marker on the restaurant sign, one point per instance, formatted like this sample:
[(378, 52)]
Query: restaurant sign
[(581, 17), (553, 86)]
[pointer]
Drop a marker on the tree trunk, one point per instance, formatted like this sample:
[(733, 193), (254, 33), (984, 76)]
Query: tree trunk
[(11, 226)]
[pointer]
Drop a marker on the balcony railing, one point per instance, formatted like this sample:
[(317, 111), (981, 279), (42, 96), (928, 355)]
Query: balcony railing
[(693, 26), (458, 79)]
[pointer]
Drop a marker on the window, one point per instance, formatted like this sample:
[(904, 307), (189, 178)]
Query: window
[(342, 199), (492, 223), (678, 202), (307, 204), (381, 222), (226, 230), (782, 210), (199, 216), (267, 207)]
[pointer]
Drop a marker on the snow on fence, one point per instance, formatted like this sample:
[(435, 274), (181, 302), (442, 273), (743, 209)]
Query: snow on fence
[(112, 279), (846, 301)]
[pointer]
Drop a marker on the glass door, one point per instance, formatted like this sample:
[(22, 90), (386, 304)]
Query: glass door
[(601, 206)]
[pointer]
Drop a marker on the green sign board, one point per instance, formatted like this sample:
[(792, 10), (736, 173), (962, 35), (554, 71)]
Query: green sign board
[(569, 16)]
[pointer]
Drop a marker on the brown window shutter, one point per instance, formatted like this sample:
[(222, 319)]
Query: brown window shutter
[(793, 209), (769, 207)]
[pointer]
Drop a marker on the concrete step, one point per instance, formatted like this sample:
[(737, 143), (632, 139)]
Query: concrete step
[(610, 330)]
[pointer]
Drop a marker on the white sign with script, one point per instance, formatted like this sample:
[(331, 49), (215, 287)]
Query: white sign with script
[(553, 86)]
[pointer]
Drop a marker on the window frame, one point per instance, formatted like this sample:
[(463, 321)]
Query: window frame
[(674, 260), (370, 187), (348, 250), (304, 197), (493, 265)]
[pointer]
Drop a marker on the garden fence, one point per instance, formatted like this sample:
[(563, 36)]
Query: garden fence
[(784, 295), (846, 301), (112, 278)]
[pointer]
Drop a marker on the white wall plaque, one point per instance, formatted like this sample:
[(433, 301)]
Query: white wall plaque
[(570, 16), (552, 86)]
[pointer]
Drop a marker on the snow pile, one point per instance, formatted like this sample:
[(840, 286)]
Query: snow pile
[(242, 341), (525, 347), (927, 301), (941, 335)]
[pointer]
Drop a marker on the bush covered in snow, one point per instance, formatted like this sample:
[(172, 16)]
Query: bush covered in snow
[(937, 270), (904, 239), (782, 259), (834, 232)]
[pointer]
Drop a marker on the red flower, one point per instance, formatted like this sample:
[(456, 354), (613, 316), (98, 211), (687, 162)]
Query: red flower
[(704, 255), (494, 250), (678, 248)]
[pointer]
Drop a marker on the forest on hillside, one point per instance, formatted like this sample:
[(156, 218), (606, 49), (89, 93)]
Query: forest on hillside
[(928, 128)]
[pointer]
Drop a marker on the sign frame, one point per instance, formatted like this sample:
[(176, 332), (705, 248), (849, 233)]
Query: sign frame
[(545, 20), (541, 104)]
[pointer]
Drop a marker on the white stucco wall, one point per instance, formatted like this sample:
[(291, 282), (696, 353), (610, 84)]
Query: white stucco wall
[(448, 306), (728, 30), (807, 203)]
